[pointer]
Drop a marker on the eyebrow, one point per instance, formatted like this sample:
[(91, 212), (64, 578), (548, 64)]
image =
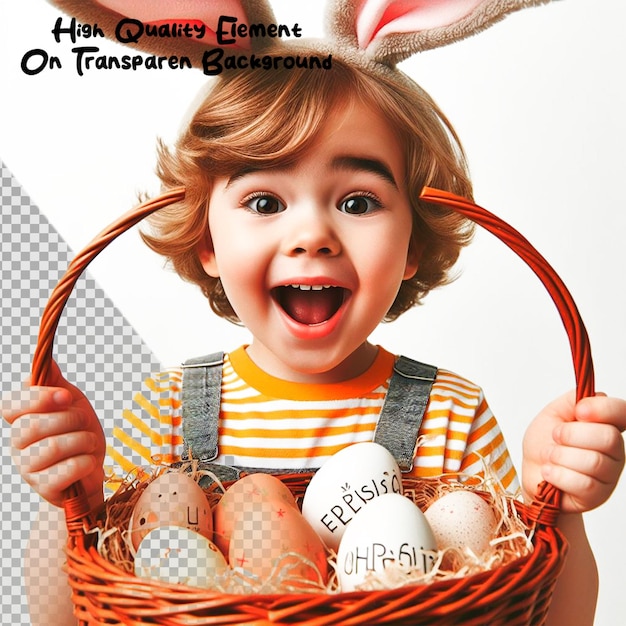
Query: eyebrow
[(374, 166), (244, 171), (344, 162)]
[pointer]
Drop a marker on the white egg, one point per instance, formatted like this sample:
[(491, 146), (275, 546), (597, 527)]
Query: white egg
[(391, 530), (462, 519), (349, 480), (175, 554)]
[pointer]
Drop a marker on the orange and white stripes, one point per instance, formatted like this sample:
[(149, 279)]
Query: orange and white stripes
[(151, 431), (273, 424), (460, 433)]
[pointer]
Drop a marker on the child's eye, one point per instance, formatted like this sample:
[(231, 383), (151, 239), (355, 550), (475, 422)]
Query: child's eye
[(264, 204), (359, 205)]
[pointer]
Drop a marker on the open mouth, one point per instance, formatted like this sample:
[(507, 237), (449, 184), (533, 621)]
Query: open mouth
[(310, 304)]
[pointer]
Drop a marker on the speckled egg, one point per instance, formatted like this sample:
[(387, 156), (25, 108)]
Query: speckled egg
[(462, 519)]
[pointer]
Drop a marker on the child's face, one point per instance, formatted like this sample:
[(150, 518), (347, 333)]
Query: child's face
[(337, 225)]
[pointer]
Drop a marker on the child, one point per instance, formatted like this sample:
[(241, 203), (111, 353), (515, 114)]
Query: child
[(302, 221)]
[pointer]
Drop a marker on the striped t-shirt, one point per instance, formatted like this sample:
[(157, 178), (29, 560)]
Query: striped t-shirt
[(269, 423)]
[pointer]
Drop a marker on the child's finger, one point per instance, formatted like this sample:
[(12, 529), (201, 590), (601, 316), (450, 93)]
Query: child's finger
[(51, 482), (603, 438), (580, 492), (590, 463), (51, 451), (34, 400), (602, 409), (34, 427)]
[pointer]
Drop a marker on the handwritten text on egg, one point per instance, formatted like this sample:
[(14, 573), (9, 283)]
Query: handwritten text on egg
[(355, 499)]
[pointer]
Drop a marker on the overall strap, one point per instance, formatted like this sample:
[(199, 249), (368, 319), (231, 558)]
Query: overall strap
[(397, 430), (403, 410), (202, 393), (201, 400)]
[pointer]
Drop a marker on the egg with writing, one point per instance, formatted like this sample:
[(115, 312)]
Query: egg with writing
[(258, 487), (178, 555), (271, 536), (391, 531), (462, 519), (347, 482), (171, 499)]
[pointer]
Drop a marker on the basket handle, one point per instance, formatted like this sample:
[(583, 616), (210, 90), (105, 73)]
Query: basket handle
[(75, 501), (546, 505), (574, 326)]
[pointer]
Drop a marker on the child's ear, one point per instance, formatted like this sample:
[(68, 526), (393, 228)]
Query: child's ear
[(206, 255), (412, 259)]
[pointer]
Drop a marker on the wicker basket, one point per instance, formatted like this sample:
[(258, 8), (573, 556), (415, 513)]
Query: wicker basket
[(516, 593)]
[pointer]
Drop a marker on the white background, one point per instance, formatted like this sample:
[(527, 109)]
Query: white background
[(538, 102)]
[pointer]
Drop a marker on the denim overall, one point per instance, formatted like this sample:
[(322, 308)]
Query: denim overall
[(397, 429)]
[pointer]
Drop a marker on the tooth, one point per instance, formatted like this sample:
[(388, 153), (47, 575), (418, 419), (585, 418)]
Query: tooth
[(308, 287)]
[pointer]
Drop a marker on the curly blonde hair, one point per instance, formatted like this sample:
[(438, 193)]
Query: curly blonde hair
[(270, 118)]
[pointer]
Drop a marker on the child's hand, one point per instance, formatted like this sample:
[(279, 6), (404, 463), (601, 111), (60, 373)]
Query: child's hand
[(56, 439), (577, 447)]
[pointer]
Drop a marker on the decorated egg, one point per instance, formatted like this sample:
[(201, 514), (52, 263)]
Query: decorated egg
[(175, 554), (390, 531), (462, 519), (171, 499), (272, 535), (349, 480), (257, 487)]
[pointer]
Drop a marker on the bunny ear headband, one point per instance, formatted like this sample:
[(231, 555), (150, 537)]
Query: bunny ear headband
[(376, 33)]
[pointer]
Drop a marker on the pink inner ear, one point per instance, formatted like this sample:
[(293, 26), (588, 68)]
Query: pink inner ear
[(377, 18), (159, 12)]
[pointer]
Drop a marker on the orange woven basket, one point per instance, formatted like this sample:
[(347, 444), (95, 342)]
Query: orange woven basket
[(516, 593)]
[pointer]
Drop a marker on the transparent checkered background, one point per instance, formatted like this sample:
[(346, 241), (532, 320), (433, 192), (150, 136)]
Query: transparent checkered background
[(96, 349)]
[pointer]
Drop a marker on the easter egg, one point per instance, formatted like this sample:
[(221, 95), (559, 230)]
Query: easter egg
[(351, 479), (175, 554), (272, 534), (171, 499), (389, 531), (462, 519), (258, 487)]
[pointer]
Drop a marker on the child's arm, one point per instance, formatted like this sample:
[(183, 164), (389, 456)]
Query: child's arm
[(47, 589), (56, 440), (577, 447)]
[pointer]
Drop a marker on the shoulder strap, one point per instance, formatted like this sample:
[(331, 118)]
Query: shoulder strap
[(201, 399), (398, 426), (202, 391), (404, 407)]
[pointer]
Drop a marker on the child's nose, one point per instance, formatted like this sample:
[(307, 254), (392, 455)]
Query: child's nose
[(312, 233)]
